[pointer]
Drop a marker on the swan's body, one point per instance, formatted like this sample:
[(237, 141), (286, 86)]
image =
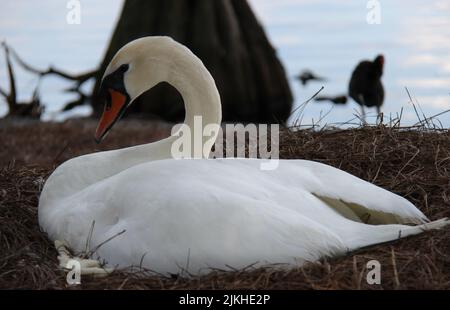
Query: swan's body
[(203, 213)]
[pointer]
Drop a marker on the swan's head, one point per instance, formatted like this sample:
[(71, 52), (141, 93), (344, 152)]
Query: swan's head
[(378, 65), (136, 67)]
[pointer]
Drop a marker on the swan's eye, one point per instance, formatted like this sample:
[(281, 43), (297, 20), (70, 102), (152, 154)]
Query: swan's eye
[(124, 68)]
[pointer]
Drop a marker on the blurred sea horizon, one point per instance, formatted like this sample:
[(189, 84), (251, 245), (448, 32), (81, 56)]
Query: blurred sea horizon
[(328, 37)]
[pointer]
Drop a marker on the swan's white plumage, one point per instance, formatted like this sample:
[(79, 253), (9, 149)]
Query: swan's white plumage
[(220, 212), (203, 213)]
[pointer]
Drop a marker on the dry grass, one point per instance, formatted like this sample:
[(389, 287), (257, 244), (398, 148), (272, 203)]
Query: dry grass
[(414, 164)]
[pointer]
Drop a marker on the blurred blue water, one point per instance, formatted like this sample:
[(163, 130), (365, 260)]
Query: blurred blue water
[(326, 36)]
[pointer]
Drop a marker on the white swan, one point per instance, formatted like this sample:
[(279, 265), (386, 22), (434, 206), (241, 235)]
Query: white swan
[(197, 214)]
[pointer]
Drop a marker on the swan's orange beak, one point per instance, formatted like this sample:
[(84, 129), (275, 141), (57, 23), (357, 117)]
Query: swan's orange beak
[(111, 113)]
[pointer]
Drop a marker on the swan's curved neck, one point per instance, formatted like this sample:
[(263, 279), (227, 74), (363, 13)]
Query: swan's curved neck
[(202, 104)]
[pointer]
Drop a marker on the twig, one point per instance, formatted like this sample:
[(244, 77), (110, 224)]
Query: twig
[(302, 106), (407, 163), (414, 106), (60, 153), (104, 242), (88, 240), (394, 265), (436, 115)]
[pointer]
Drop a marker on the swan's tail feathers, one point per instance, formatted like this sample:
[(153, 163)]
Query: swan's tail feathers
[(385, 233)]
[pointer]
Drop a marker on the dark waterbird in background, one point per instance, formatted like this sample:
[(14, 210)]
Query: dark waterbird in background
[(307, 76), (365, 84), (340, 100)]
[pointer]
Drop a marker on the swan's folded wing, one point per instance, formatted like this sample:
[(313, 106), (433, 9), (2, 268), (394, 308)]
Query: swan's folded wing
[(358, 199)]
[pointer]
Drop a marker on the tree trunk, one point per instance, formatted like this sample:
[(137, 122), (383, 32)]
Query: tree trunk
[(227, 37)]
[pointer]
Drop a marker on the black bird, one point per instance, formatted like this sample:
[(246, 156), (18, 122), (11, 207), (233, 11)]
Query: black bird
[(365, 84), (307, 76), (336, 100)]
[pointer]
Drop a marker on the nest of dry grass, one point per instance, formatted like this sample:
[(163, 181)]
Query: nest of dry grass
[(413, 163)]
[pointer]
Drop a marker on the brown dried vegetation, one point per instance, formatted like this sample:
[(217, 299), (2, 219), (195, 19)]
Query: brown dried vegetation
[(413, 163)]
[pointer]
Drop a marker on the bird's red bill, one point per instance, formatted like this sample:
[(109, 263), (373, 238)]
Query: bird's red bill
[(110, 113)]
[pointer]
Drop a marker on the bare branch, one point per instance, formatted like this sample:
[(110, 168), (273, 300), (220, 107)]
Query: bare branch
[(79, 78)]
